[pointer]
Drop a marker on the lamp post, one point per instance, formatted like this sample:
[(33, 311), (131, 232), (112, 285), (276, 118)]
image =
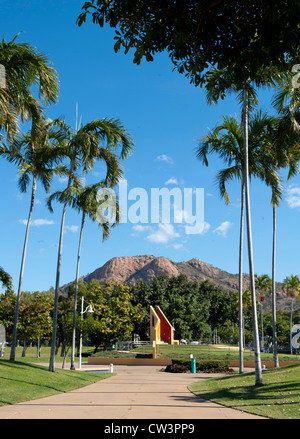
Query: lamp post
[(88, 309)]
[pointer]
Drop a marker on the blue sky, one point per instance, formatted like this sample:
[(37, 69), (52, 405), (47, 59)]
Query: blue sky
[(165, 115)]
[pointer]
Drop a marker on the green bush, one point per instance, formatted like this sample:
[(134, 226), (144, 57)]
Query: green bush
[(213, 366)]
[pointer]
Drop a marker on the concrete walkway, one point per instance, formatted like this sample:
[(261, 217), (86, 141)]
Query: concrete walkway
[(135, 392)]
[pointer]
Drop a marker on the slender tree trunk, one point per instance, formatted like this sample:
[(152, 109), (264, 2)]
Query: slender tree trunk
[(258, 370), (262, 326), (275, 352), (14, 337), (38, 348), (291, 325), (24, 349), (55, 310), (241, 342), (72, 367)]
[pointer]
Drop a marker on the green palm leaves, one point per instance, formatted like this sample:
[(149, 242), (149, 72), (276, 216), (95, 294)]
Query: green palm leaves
[(227, 141), (102, 139), (38, 158), (25, 67)]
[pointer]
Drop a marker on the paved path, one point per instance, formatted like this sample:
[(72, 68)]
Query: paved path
[(135, 392)]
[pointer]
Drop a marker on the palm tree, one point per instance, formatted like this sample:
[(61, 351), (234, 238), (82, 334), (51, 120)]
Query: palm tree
[(282, 144), (39, 164), (226, 140), (291, 287), (219, 83), (263, 284), (24, 67), (94, 141), (87, 201)]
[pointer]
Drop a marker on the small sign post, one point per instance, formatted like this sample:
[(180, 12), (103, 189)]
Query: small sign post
[(2, 340)]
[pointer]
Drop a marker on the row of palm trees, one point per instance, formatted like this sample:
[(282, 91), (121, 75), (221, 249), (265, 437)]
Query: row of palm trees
[(51, 147), (258, 146)]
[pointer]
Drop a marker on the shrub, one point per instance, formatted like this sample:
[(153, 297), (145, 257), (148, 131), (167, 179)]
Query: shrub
[(182, 366), (213, 366)]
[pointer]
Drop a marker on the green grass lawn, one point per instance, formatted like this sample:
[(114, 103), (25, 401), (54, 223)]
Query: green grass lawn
[(278, 398), (22, 381)]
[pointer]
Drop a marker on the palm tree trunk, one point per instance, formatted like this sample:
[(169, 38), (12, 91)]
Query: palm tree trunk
[(14, 337), (72, 367), (291, 325), (258, 370), (241, 337), (262, 326), (56, 294), (275, 352)]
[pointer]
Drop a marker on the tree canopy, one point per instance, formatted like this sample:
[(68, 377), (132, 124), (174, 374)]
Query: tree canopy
[(199, 34)]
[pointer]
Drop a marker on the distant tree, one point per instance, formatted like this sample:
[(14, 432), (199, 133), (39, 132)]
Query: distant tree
[(35, 317), (5, 279), (114, 314), (7, 311), (263, 285), (291, 287)]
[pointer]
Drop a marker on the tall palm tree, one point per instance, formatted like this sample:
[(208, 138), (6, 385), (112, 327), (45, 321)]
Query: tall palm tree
[(282, 143), (226, 140), (39, 164), (86, 201), (291, 287), (94, 141), (23, 67), (263, 284), (219, 83)]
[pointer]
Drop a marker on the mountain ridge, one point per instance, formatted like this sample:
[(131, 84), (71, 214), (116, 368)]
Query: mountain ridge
[(130, 269)]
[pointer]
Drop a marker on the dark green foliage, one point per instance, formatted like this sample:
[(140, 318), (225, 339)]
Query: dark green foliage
[(194, 308), (248, 35), (182, 366)]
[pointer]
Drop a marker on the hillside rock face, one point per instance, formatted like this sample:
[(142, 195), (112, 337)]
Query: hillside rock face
[(132, 268)]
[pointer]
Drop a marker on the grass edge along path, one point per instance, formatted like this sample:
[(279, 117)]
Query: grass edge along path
[(24, 382), (278, 398)]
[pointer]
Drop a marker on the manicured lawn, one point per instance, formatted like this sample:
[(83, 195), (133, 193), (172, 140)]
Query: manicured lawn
[(20, 381), (216, 352), (278, 398)]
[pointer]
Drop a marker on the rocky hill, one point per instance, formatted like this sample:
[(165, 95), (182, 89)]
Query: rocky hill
[(130, 269)]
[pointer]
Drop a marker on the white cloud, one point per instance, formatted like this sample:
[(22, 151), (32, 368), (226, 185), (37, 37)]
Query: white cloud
[(37, 222), (223, 228), (197, 229), (62, 179), (163, 235), (293, 197), (177, 246), (141, 228), (72, 229), (164, 158), (172, 180)]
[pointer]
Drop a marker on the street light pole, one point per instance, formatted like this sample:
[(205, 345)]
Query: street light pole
[(88, 309)]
